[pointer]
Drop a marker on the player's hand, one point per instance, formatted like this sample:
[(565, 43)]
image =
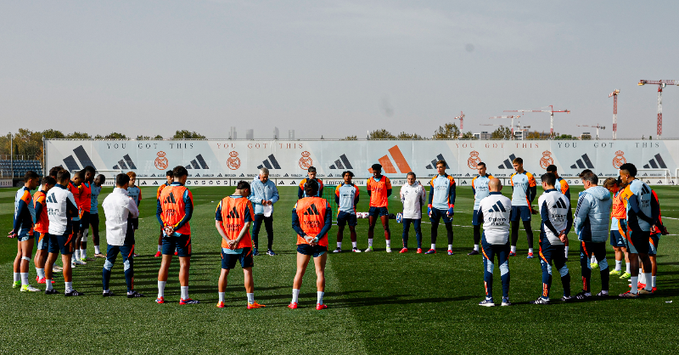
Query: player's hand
[(168, 230), (309, 239), (233, 244), (451, 212), (11, 234), (429, 211), (533, 211)]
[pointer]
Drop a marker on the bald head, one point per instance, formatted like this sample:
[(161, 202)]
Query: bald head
[(495, 185)]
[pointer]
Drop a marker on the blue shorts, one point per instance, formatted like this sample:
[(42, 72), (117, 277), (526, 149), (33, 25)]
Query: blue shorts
[(63, 244), (653, 241), (306, 249), (345, 217), (617, 240), (43, 240), (378, 211), (520, 211), (437, 215), (24, 235), (245, 258), (475, 218), (638, 242), (181, 243)]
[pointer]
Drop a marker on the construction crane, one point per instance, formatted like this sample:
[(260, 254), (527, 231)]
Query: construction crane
[(461, 118), (597, 128), (551, 116), (512, 125), (614, 94), (661, 84)]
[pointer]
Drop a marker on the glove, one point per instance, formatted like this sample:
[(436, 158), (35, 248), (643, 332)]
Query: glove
[(429, 210), (450, 211)]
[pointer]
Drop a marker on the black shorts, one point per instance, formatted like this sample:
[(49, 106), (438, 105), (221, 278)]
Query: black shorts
[(306, 249), (245, 258), (343, 218), (85, 221)]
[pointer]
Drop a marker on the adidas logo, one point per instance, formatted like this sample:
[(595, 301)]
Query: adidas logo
[(583, 163), (51, 198), (657, 163), (433, 162), (125, 163), (198, 163), (81, 154), (311, 211), (399, 159), (270, 163), (560, 204), (497, 207), (507, 164), (341, 163), (233, 214)]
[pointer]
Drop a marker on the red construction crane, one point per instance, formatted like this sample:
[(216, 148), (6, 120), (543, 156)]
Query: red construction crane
[(461, 118), (614, 94), (591, 126), (661, 84), (512, 117), (551, 116)]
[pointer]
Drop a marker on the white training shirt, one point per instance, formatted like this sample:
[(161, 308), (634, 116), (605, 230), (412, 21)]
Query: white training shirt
[(413, 198), (556, 205), (57, 199), (118, 207), (496, 209)]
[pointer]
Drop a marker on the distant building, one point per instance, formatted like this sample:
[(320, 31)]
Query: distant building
[(482, 136), (586, 136)]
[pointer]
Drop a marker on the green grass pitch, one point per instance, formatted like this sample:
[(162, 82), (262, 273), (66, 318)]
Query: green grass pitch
[(378, 302)]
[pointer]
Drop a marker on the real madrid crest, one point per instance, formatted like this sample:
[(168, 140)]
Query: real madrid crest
[(305, 161), (233, 162), (546, 159), (161, 162), (619, 159), (473, 160)]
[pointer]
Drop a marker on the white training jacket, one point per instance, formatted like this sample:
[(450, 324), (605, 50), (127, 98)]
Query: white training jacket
[(118, 207), (413, 198), (495, 209)]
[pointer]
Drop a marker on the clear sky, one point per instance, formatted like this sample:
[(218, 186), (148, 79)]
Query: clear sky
[(333, 68)]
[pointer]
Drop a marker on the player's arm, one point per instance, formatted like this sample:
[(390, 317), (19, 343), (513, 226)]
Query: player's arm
[(159, 212), (451, 194), (139, 199), (367, 187), (581, 213), (422, 197), (39, 205), (300, 190), (71, 207), (22, 210), (388, 186), (337, 193), (569, 220), (188, 210), (327, 225), (274, 197), (431, 196), (218, 222), (356, 197), (473, 188), (320, 188), (532, 188), (634, 206), (544, 214), (295, 223), (255, 196), (132, 207)]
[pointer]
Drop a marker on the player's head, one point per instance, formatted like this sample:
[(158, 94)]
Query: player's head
[(99, 180), (548, 181), (263, 175), (243, 188), (122, 180), (441, 167), (180, 174), (586, 171), (494, 185), (311, 187), (589, 179), (628, 172), (612, 184), (133, 177), (377, 169), (78, 177), (311, 172), (169, 176), (411, 178), (47, 183), (347, 175), (89, 173), (63, 177), (31, 179), (518, 164), (481, 167), (55, 170), (552, 169)]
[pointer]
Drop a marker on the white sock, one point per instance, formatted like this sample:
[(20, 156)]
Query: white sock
[(652, 281), (642, 276), (593, 259), (618, 265), (634, 280), (185, 292), (388, 243), (339, 245), (17, 277), (530, 250), (354, 245), (83, 254), (24, 278), (450, 247), (76, 254), (96, 249), (160, 248), (295, 295), (627, 268), (49, 285), (647, 278), (433, 246), (68, 287), (319, 297), (251, 298), (161, 289), (370, 242), (513, 249), (476, 247), (41, 273), (222, 296), (566, 251)]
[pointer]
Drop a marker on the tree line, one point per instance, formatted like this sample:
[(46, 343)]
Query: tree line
[(450, 131)]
